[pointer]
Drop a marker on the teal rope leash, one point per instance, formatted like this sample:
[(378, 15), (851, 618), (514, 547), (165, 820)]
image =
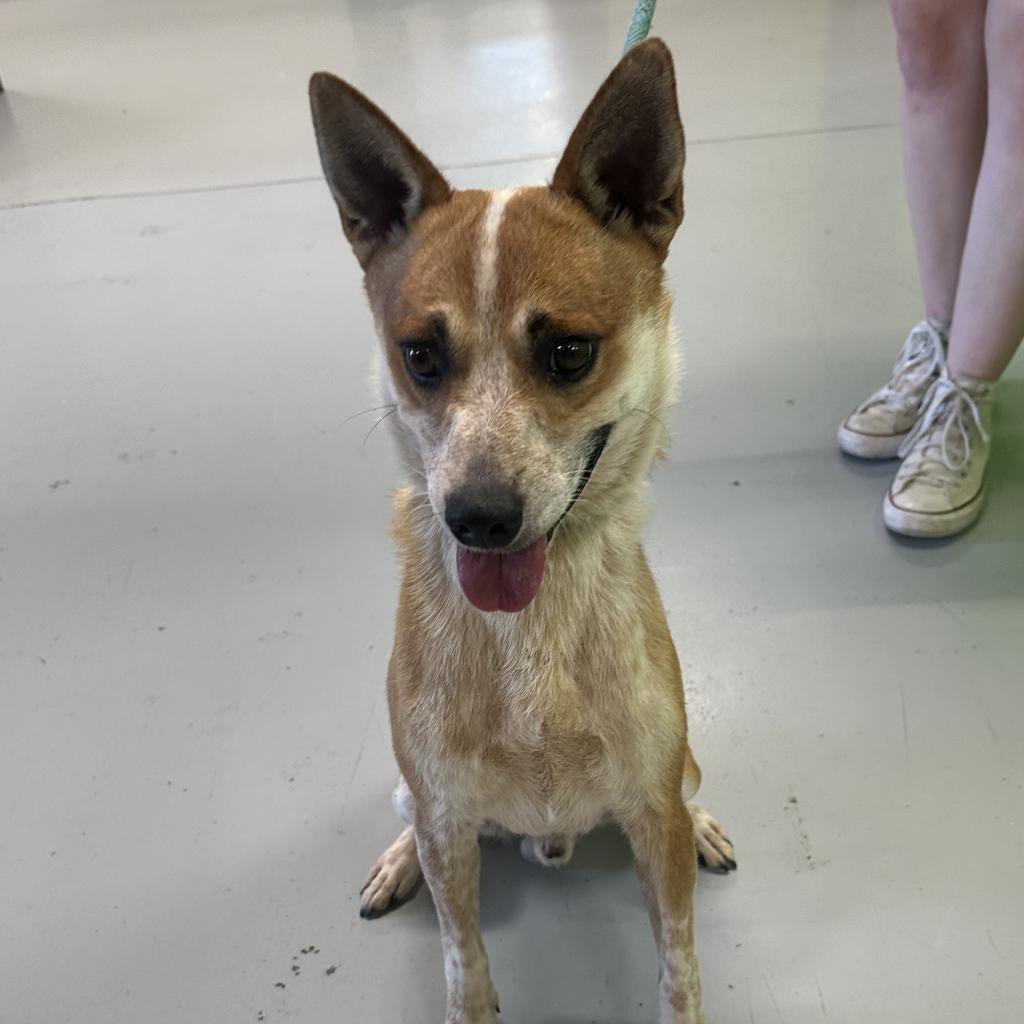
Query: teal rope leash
[(640, 26)]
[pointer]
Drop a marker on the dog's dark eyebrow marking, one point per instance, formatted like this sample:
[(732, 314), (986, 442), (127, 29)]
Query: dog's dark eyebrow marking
[(537, 324), (420, 328), (545, 325), (439, 325)]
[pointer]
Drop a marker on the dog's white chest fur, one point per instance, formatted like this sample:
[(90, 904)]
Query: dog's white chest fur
[(558, 750)]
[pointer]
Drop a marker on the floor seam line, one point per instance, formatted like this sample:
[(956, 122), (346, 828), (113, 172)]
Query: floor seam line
[(309, 178)]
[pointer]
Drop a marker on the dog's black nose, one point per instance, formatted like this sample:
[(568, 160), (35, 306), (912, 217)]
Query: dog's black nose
[(484, 517)]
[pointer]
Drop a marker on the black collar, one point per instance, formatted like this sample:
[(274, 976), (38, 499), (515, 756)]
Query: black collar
[(598, 440)]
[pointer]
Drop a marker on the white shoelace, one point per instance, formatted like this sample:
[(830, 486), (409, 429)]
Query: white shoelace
[(923, 354), (951, 412)]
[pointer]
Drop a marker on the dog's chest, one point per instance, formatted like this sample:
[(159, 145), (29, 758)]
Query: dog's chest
[(556, 753), (545, 723), (540, 775)]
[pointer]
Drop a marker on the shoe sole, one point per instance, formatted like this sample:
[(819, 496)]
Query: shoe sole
[(869, 446), (931, 525)]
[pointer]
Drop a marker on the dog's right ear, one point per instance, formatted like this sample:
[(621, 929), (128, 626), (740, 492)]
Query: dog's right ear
[(379, 179)]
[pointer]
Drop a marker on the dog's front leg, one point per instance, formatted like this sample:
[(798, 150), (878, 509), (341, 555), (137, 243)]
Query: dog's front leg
[(450, 857), (663, 845)]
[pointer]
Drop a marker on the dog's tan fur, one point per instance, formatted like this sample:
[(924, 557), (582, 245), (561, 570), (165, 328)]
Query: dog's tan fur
[(546, 721)]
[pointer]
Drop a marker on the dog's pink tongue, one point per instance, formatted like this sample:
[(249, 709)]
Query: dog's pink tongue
[(502, 583)]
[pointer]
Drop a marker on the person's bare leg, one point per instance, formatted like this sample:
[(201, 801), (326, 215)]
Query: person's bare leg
[(988, 320), (942, 57)]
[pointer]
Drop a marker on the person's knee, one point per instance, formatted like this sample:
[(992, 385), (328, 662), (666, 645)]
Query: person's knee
[(931, 38)]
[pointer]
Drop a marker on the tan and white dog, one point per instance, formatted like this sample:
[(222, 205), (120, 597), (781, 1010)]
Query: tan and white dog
[(533, 686)]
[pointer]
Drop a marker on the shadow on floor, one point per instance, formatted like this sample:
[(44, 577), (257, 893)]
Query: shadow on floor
[(505, 873)]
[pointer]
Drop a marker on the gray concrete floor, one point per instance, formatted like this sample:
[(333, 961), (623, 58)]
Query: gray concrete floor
[(196, 583)]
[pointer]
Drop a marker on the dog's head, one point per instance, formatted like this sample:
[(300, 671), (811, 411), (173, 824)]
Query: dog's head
[(525, 331)]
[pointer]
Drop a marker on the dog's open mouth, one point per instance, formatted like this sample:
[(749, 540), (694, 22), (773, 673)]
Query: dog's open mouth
[(509, 581)]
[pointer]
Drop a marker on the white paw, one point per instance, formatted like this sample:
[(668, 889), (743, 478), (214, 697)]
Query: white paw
[(714, 848), (393, 878), (548, 851)]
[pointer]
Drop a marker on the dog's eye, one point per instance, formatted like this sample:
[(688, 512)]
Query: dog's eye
[(570, 359), (423, 362)]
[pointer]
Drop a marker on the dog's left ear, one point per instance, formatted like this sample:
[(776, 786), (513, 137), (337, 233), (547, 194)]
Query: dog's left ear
[(624, 161)]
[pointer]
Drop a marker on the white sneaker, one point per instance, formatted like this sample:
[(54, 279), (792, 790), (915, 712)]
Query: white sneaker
[(879, 425), (940, 487)]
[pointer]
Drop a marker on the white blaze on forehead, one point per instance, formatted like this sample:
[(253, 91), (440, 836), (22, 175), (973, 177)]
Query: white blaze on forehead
[(487, 250)]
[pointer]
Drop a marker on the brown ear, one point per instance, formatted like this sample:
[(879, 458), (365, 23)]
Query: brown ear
[(624, 161), (379, 179)]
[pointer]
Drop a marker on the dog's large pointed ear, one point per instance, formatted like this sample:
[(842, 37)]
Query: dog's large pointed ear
[(379, 179), (624, 161)]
